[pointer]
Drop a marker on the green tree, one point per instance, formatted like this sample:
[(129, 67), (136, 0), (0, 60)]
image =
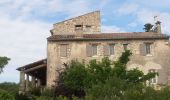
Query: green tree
[(101, 75), (3, 62), (148, 27), (123, 84)]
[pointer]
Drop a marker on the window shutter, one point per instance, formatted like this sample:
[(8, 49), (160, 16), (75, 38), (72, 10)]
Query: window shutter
[(106, 49), (142, 49), (88, 50)]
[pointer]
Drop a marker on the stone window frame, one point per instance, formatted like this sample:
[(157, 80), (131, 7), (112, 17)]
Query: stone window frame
[(112, 46), (94, 53), (125, 46), (151, 43), (143, 48), (87, 28), (89, 51), (62, 51), (78, 27), (155, 79), (148, 47)]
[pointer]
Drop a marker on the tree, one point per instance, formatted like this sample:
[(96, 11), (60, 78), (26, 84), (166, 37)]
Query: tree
[(148, 27), (111, 79), (123, 84), (3, 62)]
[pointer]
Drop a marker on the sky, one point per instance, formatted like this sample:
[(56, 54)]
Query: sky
[(25, 24)]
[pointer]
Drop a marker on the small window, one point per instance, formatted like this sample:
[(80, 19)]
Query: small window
[(94, 49), (88, 28), (63, 50), (111, 49), (153, 80), (125, 46), (78, 27), (148, 48)]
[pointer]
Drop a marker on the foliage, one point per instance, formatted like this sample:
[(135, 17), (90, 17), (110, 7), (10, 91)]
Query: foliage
[(75, 77), (22, 97), (4, 95), (8, 90), (97, 78), (11, 88), (148, 27), (111, 90), (3, 62)]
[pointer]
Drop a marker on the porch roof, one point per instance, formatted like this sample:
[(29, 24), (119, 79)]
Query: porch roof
[(33, 66)]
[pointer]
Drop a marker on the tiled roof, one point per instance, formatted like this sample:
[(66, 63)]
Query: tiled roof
[(109, 36), (34, 64)]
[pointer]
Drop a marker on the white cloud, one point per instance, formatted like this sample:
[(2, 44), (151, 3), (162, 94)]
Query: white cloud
[(127, 9), (23, 42), (26, 9), (76, 8), (153, 3), (111, 29), (104, 3), (133, 24), (23, 36), (144, 12)]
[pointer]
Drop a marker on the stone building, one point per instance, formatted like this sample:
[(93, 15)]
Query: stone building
[(80, 38)]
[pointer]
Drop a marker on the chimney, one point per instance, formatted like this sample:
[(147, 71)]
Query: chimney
[(158, 27)]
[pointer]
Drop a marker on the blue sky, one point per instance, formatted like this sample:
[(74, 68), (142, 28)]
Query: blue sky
[(25, 25)]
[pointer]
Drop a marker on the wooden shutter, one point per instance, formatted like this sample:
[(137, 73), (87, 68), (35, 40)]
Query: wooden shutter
[(88, 50), (106, 49), (94, 49), (143, 49)]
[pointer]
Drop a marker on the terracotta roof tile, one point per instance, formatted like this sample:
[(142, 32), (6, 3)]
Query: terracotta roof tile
[(105, 36)]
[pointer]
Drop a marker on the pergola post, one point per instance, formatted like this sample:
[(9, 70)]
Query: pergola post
[(33, 82), (38, 82), (22, 82), (27, 83)]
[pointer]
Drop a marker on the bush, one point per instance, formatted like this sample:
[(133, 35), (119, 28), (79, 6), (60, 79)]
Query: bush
[(4, 95)]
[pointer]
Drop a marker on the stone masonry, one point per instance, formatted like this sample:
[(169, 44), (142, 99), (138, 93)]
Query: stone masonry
[(88, 20), (65, 33)]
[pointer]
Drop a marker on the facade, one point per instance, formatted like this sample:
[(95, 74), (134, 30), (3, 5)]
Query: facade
[(80, 39)]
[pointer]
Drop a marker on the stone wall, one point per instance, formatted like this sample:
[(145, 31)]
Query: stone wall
[(159, 58), (68, 26)]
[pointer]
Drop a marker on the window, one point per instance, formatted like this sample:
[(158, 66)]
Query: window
[(88, 28), (125, 46), (94, 49), (148, 48), (63, 50), (78, 27), (153, 80), (91, 50), (111, 49)]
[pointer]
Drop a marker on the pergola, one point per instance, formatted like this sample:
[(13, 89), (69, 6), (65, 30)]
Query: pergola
[(33, 75)]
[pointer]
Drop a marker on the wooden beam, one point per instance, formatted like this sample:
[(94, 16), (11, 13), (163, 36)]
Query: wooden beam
[(34, 68)]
